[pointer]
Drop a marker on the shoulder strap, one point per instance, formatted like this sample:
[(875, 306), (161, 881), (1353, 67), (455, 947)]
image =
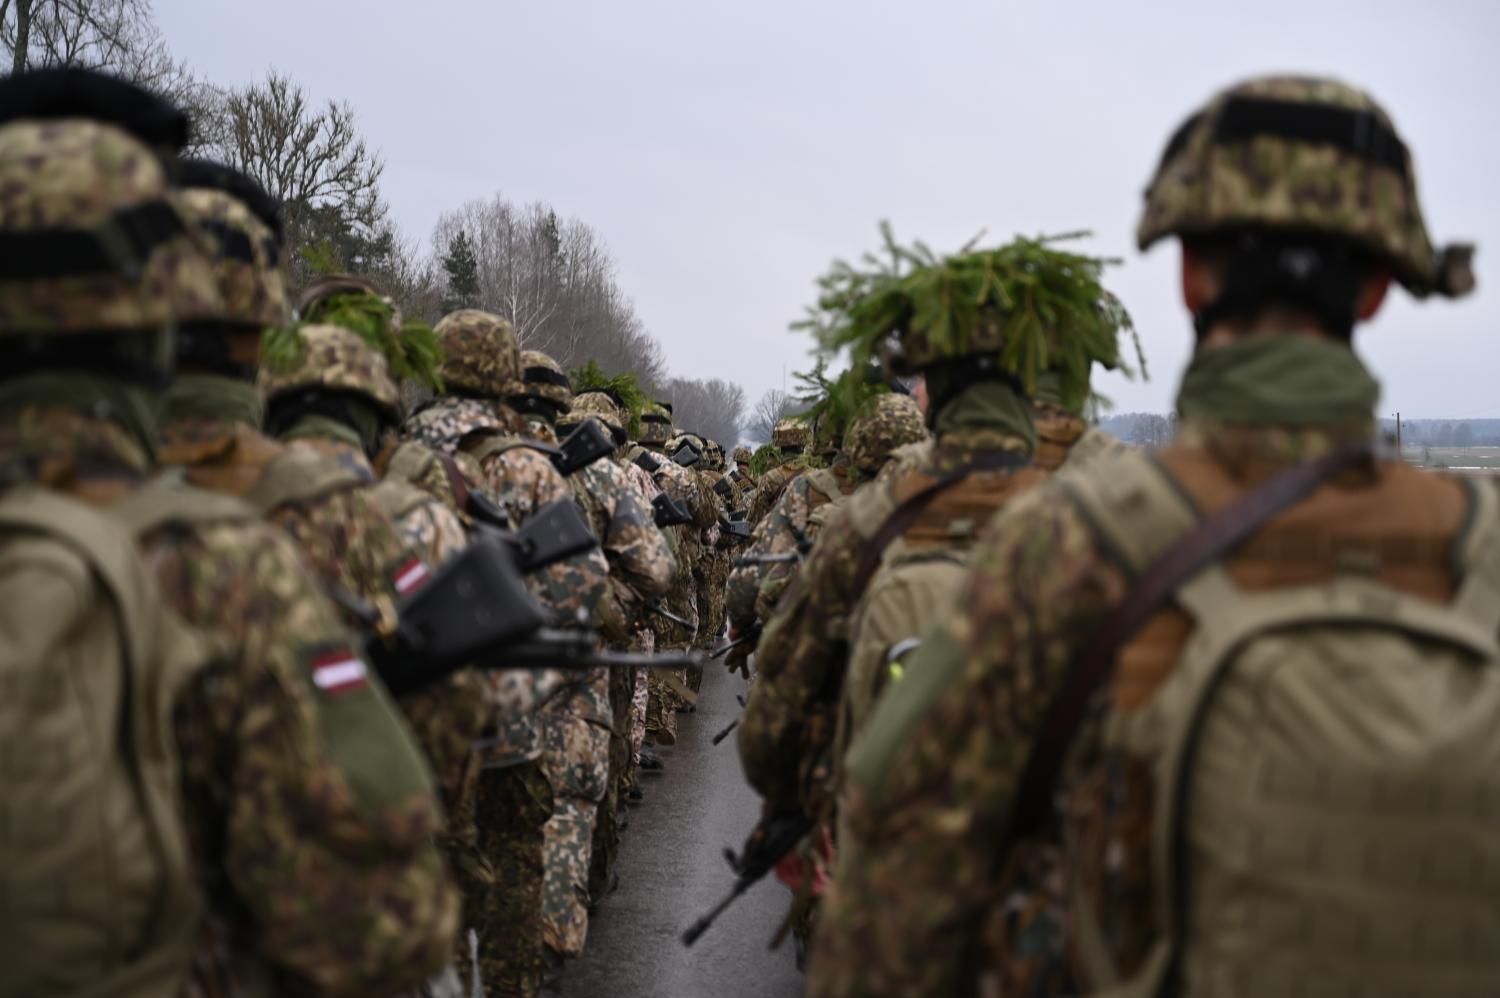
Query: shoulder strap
[(298, 474), (168, 499), (1203, 545), (911, 507), (457, 483), (490, 445)]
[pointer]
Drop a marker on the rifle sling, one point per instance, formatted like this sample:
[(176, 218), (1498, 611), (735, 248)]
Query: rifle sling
[(1206, 543), (456, 483)]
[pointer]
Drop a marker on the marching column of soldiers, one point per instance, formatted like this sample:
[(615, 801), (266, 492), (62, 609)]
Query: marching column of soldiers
[(334, 644)]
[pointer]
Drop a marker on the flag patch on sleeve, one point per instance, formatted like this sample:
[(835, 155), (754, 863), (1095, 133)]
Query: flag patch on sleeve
[(411, 576), (338, 671)]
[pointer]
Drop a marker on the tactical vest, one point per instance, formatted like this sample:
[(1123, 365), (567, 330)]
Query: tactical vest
[(97, 889), (1293, 786), (918, 577)]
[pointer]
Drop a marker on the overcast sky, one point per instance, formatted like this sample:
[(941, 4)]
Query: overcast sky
[(728, 152)]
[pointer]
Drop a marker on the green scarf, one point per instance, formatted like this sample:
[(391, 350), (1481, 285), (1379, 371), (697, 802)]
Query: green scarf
[(135, 408), (1278, 381), (211, 396), (989, 405)]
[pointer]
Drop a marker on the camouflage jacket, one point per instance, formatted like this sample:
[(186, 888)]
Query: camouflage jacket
[(521, 480), (803, 648), (769, 487), (755, 589), (684, 486), (641, 563), (930, 780), (310, 811), (450, 716)]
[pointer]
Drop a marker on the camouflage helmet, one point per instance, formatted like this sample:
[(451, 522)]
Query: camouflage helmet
[(543, 378), (331, 358), (713, 454), (94, 239), (481, 355), (883, 423), (656, 424), (330, 286), (790, 433), (241, 221), (1300, 155), (741, 455), (599, 406)]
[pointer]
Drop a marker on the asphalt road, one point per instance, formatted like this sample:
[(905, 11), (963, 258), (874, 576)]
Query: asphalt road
[(672, 870)]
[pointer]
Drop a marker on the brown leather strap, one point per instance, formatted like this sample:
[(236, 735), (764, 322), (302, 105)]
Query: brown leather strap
[(1203, 545), (911, 507), (457, 484)]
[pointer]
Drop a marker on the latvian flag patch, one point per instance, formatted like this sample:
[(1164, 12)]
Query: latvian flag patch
[(338, 671), (411, 576)]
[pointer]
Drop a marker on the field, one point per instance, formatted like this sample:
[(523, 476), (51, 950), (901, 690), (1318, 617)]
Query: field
[(1475, 460)]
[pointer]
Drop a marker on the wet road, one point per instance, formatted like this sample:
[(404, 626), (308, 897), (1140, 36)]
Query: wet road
[(672, 869)]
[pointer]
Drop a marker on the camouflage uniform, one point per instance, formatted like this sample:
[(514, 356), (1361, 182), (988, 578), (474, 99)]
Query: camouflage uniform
[(315, 861), (448, 717), (668, 689), (516, 798), (579, 729), (933, 778)]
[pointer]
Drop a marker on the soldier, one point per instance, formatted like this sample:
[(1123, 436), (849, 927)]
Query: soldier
[(475, 426), (668, 688), (717, 566), (807, 504), (630, 703), (1239, 596), (306, 862), (984, 438), (327, 388), (789, 437), (745, 480), (578, 728), (545, 395)]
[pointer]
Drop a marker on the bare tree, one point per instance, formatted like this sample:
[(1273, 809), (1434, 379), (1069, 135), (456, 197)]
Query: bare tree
[(314, 162), (774, 406), (556, 281), (712, 407)]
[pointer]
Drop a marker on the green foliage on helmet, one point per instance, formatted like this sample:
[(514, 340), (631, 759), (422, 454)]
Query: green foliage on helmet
[(308, 355), (766, 457), (831, 403), (622, 388), (1031, 306), (410, 348)]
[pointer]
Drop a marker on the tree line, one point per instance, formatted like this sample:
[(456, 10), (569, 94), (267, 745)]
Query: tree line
[(552, 276)]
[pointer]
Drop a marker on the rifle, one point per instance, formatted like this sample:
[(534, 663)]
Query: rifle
[(588, 443), (751, 635), (736, 528), (662, 611), (668, 512), (772, 838), (477, 610), (767, 559)]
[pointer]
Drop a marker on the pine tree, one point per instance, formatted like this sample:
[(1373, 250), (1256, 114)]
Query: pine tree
[(463, 274)]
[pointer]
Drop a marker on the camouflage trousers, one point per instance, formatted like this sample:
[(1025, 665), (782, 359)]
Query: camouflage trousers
[(621, 778), (661, 711), (576, 754), (513, 806), (640, 697)]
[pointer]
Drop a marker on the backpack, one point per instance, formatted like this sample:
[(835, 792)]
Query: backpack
[(97, 891), (914, 572), (1308, 760)]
